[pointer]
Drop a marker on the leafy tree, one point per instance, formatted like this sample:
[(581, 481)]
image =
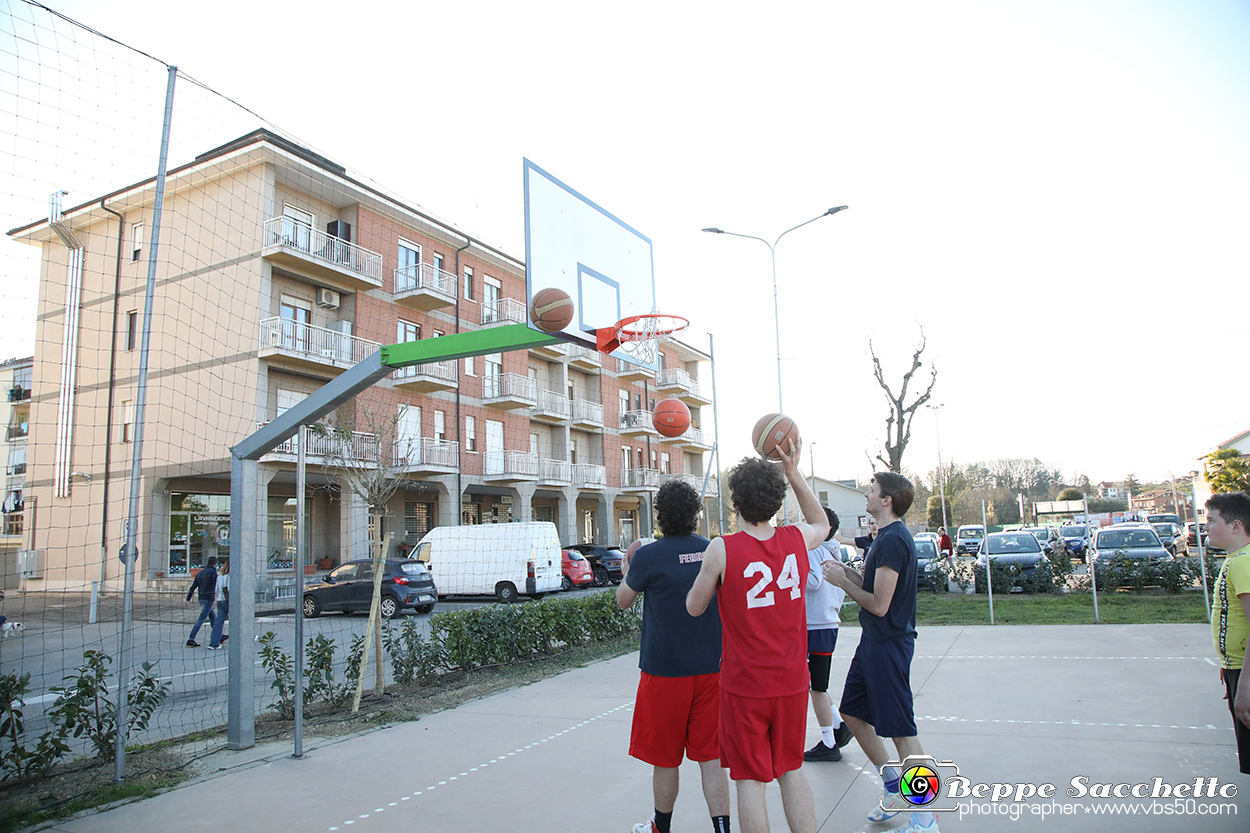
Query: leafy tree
[(1131, 485), (934, 511), (1227, 471), (1098, 505), (1070, 493), (898, 424)]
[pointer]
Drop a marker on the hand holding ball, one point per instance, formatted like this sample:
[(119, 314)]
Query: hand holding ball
[(773, 431)]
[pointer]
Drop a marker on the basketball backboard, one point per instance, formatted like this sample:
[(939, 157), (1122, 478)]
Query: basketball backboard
[(572, 244)]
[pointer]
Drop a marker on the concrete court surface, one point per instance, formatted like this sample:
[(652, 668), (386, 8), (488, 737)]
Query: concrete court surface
[(1042, 704)]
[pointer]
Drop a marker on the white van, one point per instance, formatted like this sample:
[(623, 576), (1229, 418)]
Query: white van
[(502, 560)]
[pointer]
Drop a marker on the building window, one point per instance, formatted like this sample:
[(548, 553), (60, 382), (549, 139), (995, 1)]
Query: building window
[(625, 457), (408, 274), (438, 262), (468, 284), (572, 452), (492, 291), (624, 404), (136, 242), (440, 425), (824, 498), (493, 364), (470, 433), (665, 464), (132, 330), (128, 420), (468, 366)]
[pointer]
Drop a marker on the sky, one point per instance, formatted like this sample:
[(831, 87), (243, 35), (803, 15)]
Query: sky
[(1050, 193)]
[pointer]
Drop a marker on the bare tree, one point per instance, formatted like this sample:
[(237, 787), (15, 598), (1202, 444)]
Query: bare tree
[(898, 424), (367, 450)]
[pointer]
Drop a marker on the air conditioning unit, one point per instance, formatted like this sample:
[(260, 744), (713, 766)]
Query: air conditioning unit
[(328, 298), (28, 564)]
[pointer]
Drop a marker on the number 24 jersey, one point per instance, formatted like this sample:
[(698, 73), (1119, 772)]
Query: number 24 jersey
[(763, 615)]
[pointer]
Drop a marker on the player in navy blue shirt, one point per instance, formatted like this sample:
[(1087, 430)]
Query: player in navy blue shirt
[(877, 699), (677, 709)]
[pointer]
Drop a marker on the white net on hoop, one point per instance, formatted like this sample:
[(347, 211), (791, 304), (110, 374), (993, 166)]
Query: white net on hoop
[(640, 336)]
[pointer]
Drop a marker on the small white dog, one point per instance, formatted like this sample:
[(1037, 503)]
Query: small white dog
[(12, 629)]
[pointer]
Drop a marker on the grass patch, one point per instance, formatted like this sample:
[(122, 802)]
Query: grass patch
[(1054, 609), (25, 814)]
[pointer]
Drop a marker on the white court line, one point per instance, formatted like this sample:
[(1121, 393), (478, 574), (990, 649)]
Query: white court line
[(1022, 656), (500, 759), (1062, 723), (45, 698)]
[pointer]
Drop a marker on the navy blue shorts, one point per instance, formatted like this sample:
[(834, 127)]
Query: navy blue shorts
[(878, 686)]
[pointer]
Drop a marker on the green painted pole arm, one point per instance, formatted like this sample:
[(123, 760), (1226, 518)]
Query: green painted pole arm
[(459, 345)]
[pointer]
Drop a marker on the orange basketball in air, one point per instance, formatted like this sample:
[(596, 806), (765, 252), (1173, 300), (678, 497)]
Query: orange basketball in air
[(771, 431), (671, 418), (551, 310)]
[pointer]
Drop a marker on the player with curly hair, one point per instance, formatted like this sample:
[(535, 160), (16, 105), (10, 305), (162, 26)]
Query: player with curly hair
[(757, 577), (677, 708)]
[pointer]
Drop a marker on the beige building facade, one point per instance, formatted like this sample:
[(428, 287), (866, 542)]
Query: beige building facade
[(276, 271)]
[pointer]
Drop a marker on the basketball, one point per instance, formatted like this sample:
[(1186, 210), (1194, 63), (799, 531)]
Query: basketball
[(551, 310), (671, 417), (771, 431)]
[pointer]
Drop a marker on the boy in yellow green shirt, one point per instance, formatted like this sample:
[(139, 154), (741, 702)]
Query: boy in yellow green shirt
[(1228, 528)]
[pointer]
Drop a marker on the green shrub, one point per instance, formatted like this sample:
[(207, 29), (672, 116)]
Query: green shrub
[(84, 708), (413, 657), (16, 760), (278, 663)]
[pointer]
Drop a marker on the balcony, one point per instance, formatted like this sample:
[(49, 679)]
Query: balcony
[(509, 391), (587, 414), (693, 438), (323, 257), (589, 476), (640, 480), (630, 372), (359, 450), (423, 455), (555, 472), (503, 311), (511, 465), (15, 468), (423, 286), (551, 351), (15, 432), (18, 393), (312, 348), (583, 358), (637, 424), (552, 407), (426, 378), (695, 481), (673, 380)]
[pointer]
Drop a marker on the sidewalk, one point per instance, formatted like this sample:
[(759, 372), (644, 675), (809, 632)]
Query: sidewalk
[(1007, 704)]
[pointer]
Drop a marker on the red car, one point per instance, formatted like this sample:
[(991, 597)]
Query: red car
[(576, 569)]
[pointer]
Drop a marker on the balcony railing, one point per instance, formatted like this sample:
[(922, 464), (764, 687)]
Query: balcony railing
[(359, 447), (317, 344), (586, 412), (315, 244), (423, 452), (14, 432), (553, 405), (584, 356), (431, 376), (18, 393), (590, 475), (631, 372), (674, 377), (695, 480), (424, 286), (510, 386), (555, 471), (637, 422), (640, 479), (521, 464), (693, 437), (504, 311)]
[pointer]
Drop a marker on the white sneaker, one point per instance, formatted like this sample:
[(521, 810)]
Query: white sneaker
[(647, 826), (891, 805), (915, 827)]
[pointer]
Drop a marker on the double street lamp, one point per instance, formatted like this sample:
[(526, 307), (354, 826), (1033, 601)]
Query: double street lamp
[(772, 250)]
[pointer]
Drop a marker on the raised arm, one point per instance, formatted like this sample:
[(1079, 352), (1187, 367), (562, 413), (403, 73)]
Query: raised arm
[(709, 579), (815, 524)]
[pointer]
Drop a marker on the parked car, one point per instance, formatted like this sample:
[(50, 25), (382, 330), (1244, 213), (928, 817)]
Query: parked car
[(969, 538), (1020, 549), (1166, 518), (1191, 538), (1172, 537), (1122, 544), (1076, 536), (927, 536), (605, 562), (575, 569), (349, 588), (1046, 536), (929, 573)]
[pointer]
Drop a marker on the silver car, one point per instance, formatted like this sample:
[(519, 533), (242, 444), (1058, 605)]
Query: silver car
[(1123, 544)]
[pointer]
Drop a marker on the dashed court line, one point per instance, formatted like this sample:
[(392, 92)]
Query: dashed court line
[(481, 766), (1061, 723), (1099, 659)]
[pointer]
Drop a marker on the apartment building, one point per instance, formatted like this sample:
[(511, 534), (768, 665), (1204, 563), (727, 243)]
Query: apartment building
[(277, 271), (15, 374)]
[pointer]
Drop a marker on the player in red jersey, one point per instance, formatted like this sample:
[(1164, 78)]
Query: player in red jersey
[(758, 577)]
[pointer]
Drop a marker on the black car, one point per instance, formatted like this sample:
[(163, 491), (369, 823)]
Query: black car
[(605, 562), (1020, 551), (1076, 536), (928, 566), (349, 588)]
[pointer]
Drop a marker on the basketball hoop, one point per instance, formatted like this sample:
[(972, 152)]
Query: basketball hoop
[(640, 335)]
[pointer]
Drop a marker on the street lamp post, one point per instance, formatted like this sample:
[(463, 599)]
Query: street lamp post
[(941, 471), (772, 250)]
